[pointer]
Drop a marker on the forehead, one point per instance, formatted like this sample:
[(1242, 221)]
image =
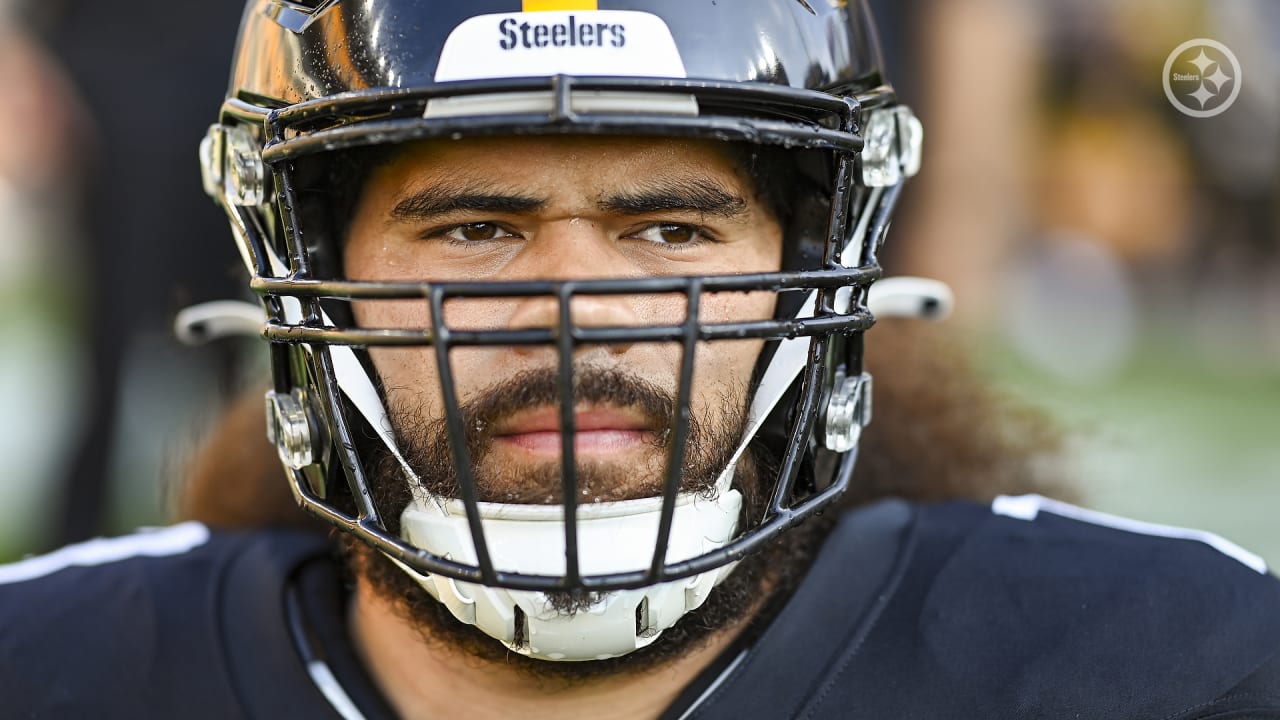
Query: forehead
[(556, 163)]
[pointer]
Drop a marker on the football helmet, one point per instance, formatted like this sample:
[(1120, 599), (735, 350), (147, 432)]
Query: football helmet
[(313, 82)]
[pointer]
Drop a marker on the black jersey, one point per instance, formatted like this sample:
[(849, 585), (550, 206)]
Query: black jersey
[(173, 623), (1023, 609)]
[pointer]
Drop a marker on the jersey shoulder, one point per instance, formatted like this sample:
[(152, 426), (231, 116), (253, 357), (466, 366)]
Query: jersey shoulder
[(1052, 608), (126, 578), (127, 626), (1056, 518), (1026, 607)]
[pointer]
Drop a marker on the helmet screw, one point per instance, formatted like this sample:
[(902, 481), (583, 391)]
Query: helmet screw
[(245, 175), (892, 142), (848, 411), (289, 429)]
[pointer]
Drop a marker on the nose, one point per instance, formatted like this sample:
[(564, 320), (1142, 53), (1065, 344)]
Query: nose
[(575, 250), (585, 311)]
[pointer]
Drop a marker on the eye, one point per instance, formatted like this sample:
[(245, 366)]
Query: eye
[(673, 234), (475, 232)]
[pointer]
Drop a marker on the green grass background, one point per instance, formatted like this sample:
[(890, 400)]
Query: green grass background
[(1172, 438)]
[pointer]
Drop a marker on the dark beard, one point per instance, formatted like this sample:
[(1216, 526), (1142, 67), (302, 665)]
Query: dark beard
[(425, 442), (709, 448), (756, 582)]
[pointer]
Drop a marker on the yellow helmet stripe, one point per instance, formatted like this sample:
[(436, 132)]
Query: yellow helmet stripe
[(543, 5)]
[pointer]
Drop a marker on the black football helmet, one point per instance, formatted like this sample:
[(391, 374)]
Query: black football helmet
[(314, 82)]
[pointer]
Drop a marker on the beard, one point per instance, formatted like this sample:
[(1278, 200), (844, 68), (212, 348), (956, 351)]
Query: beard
[(709, 447), (425, 444)]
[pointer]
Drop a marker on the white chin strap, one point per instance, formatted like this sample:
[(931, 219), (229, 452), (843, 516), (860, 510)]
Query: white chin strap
[(612, 537)]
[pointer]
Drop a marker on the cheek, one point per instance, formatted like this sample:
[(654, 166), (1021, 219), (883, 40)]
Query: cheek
[(411, 375), (392, 314), (721, 379), (410, 379), (737, 306), (402, 371), (724, 367)]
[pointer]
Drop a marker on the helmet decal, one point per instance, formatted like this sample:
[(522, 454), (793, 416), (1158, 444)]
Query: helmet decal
[(595, 42)]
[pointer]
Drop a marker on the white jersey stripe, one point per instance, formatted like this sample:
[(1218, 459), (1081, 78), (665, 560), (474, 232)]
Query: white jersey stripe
[(323, 677), (1026, 507), (715, 685), (173, 540)]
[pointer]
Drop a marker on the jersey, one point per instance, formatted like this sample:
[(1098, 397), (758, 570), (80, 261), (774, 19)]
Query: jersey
[(1025, 608), (180, 622)]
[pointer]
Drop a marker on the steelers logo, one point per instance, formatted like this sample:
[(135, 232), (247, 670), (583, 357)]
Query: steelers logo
[(1202, 78)]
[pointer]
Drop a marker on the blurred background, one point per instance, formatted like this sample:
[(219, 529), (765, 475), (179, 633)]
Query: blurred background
[(1116, 260)]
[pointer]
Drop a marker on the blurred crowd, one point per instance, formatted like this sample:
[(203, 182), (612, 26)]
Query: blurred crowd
[(1068, 201), (1080, 217), (105, 234)]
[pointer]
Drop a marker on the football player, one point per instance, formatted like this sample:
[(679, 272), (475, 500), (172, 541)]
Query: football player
[(566, 303)]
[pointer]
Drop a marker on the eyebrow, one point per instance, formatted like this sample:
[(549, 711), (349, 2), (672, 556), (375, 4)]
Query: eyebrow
[(682, 195), (434, 201), (688, 195)]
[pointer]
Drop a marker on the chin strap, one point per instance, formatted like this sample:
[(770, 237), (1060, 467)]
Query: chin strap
[(612, 537)]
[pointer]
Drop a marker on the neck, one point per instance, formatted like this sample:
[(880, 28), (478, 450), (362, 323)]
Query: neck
[(423, 678)]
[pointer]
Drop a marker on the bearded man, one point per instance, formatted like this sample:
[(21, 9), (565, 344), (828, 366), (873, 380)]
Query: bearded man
[(566, 302)]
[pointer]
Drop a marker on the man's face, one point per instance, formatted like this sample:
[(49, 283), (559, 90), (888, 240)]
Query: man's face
[(552, 208)]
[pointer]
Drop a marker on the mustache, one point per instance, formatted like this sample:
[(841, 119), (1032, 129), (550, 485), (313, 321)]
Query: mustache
[(429, 449), (482, 414), (708, 447)]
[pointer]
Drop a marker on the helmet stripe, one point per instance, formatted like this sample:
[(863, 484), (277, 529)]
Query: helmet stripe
[(542, 5)]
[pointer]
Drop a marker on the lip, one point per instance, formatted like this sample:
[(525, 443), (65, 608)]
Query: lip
[(598, 431)]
